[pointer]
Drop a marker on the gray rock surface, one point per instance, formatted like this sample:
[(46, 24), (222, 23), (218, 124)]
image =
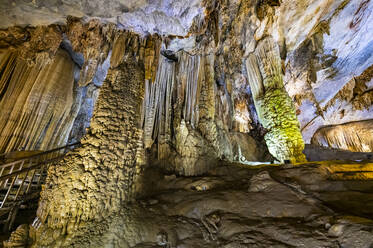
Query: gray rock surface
[(238, 207), (142, 16)]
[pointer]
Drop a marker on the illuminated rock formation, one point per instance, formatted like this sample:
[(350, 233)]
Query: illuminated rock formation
[(328, 71), (189, 88), (354, 136), (275, 109), (181, 119), (93, 182), (37, 102), (313, 205)]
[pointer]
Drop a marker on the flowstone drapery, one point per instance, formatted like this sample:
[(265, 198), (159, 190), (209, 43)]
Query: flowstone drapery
[(38, 102)]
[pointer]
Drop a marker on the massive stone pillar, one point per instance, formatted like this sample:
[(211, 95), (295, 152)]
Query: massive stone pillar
[(93, 181), (274, 106)]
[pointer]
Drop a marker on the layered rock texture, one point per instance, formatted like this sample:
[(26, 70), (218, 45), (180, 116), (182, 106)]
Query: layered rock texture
[(37, 103), (182, 86), (313, 205), (354, 136), (99, 176), (329, 73)]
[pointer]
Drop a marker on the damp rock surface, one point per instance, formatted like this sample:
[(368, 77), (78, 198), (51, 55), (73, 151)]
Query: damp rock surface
[(326, 204), (160, 16)]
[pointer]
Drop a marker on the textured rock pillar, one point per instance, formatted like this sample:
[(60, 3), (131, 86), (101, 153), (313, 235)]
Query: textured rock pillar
[(274, 106), (93, 181)]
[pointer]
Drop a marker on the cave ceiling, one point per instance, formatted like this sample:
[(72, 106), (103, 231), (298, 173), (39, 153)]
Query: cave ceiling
[(142, 16)]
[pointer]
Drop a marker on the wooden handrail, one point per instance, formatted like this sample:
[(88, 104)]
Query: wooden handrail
[(30, 168), (21, 174), (38, 155)]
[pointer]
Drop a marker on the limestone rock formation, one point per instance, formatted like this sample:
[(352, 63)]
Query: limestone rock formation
[(275, 108), (355, 136), (36, 102), (327, 73), (160, 16), (183, 90), (182, 117), (232, 206), (110, 159)]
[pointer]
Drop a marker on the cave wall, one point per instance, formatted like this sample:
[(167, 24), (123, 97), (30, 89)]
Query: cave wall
[(312, 55), (184, 103), (143, 17), (329, 73), (325, 49), (51, 76)]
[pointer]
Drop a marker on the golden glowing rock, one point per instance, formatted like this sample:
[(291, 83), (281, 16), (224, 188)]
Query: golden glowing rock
[(36, 102), (354, 136), (275, 109)]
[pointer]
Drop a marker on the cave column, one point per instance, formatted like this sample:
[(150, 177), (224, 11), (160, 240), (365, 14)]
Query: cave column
[(275, 108), (93, 181)]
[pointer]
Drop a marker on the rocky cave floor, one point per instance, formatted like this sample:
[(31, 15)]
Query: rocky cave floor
[(318, 204)]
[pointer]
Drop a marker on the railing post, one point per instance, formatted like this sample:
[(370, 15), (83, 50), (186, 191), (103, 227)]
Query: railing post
[(30, 182), (10, 172), (20, 186), (11, 185)]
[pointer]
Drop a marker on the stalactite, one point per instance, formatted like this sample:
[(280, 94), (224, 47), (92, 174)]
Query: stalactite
[(354, 136), (7, 65), (119, 49), (152, 53), (36, 103), (275, 108), (158, 96), (93, 39), (188, 72), (171, 115), (158, 104), (180, 116)]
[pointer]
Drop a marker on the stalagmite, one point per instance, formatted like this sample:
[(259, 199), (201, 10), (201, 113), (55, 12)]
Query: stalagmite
[(93, 181), (275, 109), (191, 99)]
